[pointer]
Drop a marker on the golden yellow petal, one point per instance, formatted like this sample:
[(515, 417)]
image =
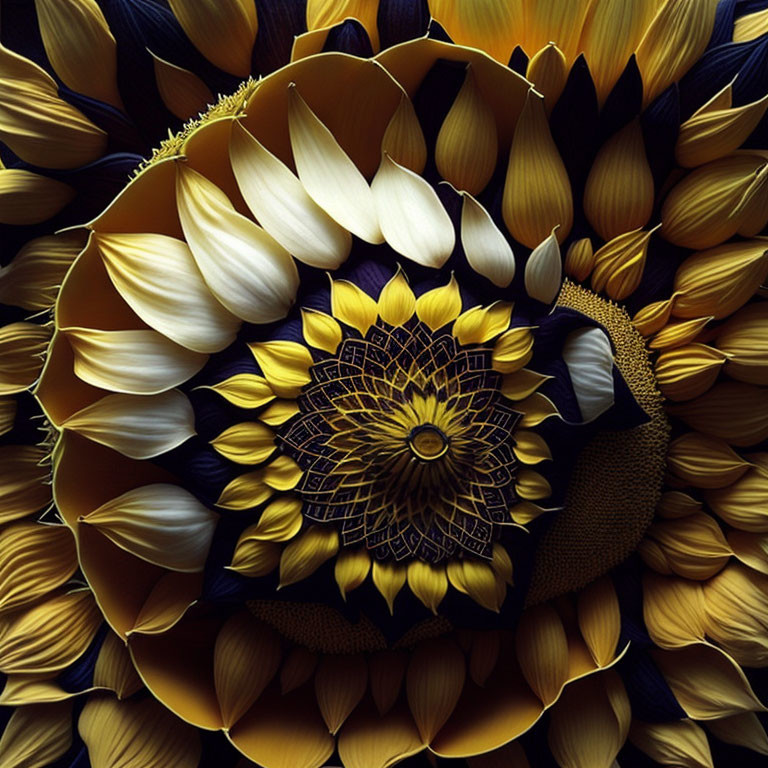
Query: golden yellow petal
[(282, 474), (397, 302), (537, 191), (224, 32), (305, 554), (653, 317), (285, 365), (340, 682), (478, 580), (114, 669), (386, 671), (677, 334), (579, 259), (750, 26), (245, 491), (28, 198), (351, 569), (686, 372), (548, 71), (245, 390), (255, 558), (619, 264), (389, 579), (404, 140), (705, 462), (674, 611), (674, 743), (36, 735), (183, 92), (439, 306), (246, 657), (535, 409), (512, 350), (501, 563), (531, 485), (522, 384), (280, 521), (22, 346), (743, 730), (744, 338), (600, 620), (479, 325), (433, 684), (8, 407), (742, 503), (619, 194), (530, 447), (674, 504), (525, 512), (320, 330), (352, 305), (248, 442), (326, 13), (278, 412), (467, 144), (428, 582), (24, 481)]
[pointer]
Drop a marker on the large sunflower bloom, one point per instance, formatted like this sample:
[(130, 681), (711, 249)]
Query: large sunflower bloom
[(408, 406)]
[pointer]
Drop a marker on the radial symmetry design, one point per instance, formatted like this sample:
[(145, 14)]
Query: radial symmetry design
[(406, 405)]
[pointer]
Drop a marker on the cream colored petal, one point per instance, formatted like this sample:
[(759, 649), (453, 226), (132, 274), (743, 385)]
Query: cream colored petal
[(329, 175), (283, 207), (352, 305), (340, 683), (80, 47), (485, 247), (304, 555), (397, 302), (544, 271), (246, 269), (136, 732), (158, 278), (160, 523), (137, 426), (439, 306), (183, 92), (245, 390), (678, 743), (28, 198), (412, 218), (248, 442), (132, 362), (589, 357), (320, 330), (36, 735), (224, 31), (285, 364)]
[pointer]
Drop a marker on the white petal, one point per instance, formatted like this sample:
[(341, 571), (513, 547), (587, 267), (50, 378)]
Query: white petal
[(158, 278), (134, 362), (544, 271), (137, 426), (162, 524), (251, 274), (411, 215), (588, 355), (331, 178), (282, 206), (485, 247)]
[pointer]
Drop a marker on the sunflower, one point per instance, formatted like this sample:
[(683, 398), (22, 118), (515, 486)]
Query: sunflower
[(406, 406)]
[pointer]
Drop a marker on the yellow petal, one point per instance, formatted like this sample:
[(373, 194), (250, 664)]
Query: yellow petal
[(184, 94), (512, 350), (353, 306), (224, 32), (397, 302), (525, 512), (285, 364), (674, 504), (680, 743), (245, 491), (245, 268), (137, 426), (351, 569), (580, 259), (389, 579), (675, 40), (537, 191), (653, 317), (36, 735), (686, 372), (467, 144), (404, 140), (280, 521), (22, 346), (619, 194), (548, 71), (28, 198), (679, 334), (340, 682), (279, 412), (278, 200), (298, 667), (744, 338), (542, 650), (480, 324), (522, 384), (255, 558), (743, 730), (245, 390), (553, 20), (248, 442), (705, 462), (51, 635), (439, 306), (246, 657), (485, 247), (41, 128), (428, 582), (530, 448), (282, 474), (386, 671), (32, 280), (741, 504), (412, 218), (329, 175), (114, 669), (320, 330), (732, 411), (535, 409), (138, 732), (326, 13), (304, 555), (476, 579), (434, 682), (674, 611), (544, 271), (600, 620), (162, 524), (24, 481), (133, 362), (34, 560), (619, 264), (750, 26)]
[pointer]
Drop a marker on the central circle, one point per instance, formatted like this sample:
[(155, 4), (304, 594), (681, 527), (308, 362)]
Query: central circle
[(427, 442)]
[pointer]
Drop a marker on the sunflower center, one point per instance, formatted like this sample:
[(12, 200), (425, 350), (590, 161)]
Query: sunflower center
[(427, 442)]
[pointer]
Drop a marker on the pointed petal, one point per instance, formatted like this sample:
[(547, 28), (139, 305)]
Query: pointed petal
[(285, 364), (389, 580), (428, 582), (351, 569), (544, 271), (404, 140), (280, 521), (340, 683), (353, 306), (183, 92), (29, 198), (542, 650), (589, 357), (245, 390), (397, 302), (304, 555), (485, 247), (36, 735), (320, 330), (439, 306), (248, 442)]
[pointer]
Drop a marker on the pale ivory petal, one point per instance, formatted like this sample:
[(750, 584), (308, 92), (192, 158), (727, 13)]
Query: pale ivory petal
[(158, 278), (587, 353), (224, 31), (330, 177), (485, 247), (36, 735), (133, 362), (80, 47), (160, 523), (137, 426), (412, 218), (246, 269), (283, 207), (182, 91), (136, 732), (544, 271)]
